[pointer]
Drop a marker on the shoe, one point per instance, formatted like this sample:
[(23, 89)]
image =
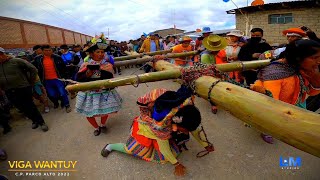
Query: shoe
[(6, 130), (103, 128), (97, 132), (105, 152), (267, 138), (56, 105), (46, 109), (68, 109), (119, 73), (35, 125), (44, 128)]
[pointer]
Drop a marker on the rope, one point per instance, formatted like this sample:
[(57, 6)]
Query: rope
[(204, 152), (210, 89), (137, 82)]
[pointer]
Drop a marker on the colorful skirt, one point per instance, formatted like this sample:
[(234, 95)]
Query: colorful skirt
[(146, 148), (98, 103)]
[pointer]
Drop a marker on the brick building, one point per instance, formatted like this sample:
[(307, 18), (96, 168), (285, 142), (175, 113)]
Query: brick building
[(165, 32), (15, 33), (275, 17)]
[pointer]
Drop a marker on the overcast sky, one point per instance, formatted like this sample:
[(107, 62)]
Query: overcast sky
[(126, 19)]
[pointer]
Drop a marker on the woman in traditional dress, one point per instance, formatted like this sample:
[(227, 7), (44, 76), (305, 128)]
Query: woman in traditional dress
[(159, 133), (97, 103), (230, 53), (290, 79)]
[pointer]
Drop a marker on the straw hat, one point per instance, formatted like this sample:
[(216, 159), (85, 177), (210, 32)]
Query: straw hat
[(237, 33), (214, 42)]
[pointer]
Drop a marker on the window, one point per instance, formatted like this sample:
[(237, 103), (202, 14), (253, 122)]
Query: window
[(280, 18)]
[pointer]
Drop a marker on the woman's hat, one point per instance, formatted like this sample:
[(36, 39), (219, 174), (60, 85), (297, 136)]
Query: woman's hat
[(185, 38), (214, 42), (294, 32), (98, 45), (237, 33), (206, 30)]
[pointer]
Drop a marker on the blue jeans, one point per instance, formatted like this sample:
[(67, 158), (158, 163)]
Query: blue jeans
[(55, 90)]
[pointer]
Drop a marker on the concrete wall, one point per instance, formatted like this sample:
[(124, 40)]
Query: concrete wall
[(15, 33), (273, 32)]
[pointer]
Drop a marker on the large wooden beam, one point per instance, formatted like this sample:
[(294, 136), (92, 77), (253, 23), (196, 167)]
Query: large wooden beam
[(290, 124)]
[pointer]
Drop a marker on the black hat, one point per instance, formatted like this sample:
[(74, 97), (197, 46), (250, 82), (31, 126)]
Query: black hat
[(172, 99)]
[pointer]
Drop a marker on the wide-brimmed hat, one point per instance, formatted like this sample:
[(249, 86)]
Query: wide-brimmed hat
[(214, 42), (206, 30), (294, 32), (237, 33)]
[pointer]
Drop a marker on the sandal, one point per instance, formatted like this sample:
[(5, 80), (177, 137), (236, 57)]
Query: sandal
[(97, 132), (267, 138), (105, 152)]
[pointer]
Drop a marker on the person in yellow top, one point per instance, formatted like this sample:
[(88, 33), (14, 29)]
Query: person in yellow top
[(150, 44), (160, 132)]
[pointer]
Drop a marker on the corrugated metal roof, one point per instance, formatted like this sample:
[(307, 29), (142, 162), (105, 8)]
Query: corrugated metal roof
[(279, 5)]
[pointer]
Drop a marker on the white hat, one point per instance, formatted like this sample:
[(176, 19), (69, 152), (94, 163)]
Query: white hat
[(2, 50), (237, 33)]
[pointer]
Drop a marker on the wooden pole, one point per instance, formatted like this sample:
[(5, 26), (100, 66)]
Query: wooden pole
[(142, 54), (290, 124), (166, 71), (147, 59)]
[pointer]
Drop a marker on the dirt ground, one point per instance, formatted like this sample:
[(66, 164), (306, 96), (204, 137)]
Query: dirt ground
[(239, 151)]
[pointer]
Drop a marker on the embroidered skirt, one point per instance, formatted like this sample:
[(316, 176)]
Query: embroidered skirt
[(146, 148), (98, 103)]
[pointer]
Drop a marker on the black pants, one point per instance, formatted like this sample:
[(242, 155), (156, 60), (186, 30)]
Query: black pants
[(313, 103), (115, 69), (250, 76), (21, 98), (4, 118)]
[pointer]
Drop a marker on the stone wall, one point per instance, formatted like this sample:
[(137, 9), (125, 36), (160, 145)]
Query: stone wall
[(273, 32)]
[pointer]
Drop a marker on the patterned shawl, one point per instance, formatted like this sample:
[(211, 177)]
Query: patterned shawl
[(162, 129)]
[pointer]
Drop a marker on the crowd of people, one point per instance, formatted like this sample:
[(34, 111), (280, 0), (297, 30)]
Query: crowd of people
[(166, 117)]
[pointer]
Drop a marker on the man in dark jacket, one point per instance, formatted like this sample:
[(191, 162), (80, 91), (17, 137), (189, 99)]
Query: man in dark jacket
[(51, 68), (114, 51), (16, 79), (251, 51)]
